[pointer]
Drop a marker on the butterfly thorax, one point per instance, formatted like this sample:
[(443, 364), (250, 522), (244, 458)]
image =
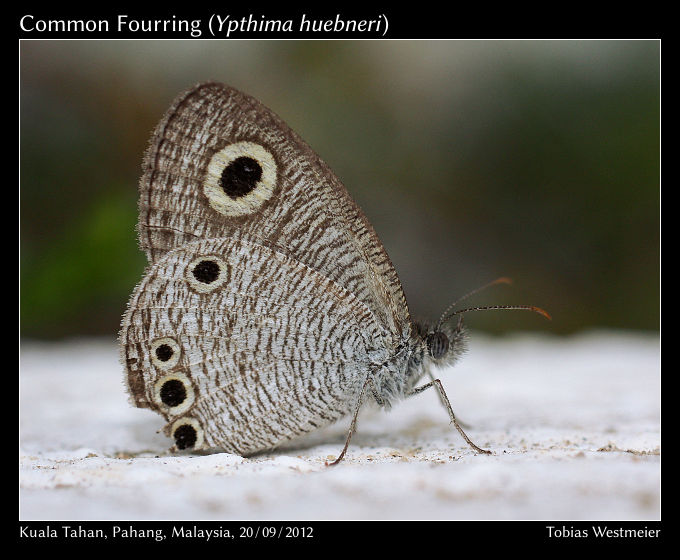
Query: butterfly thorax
[(425, 348)]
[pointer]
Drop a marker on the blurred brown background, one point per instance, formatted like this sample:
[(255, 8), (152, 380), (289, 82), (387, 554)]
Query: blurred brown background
[(537, 160)]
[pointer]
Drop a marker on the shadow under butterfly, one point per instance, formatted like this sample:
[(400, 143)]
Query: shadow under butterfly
[(269, 308)]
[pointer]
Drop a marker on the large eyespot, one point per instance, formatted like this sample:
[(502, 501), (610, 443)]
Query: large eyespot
[(174, 393), (240, 178), (187, 433), (438, 344), (206, 274), (165, 353)]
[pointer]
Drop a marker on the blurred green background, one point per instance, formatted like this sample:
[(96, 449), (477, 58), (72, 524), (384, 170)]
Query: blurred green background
[(537, 160)]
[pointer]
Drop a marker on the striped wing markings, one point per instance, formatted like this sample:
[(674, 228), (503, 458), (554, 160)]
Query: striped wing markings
[(207, 116), (261, 360)]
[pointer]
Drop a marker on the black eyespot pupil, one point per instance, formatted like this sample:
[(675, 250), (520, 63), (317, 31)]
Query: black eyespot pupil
[(173, 392), (206, 271), (164, 352), (438, 343), (185, 436), (240, 176)]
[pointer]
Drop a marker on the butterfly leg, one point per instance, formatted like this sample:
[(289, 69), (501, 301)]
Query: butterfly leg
[(353, 425), (441, 400), (440, 388)]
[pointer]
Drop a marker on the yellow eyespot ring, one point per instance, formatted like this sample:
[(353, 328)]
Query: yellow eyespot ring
[(240, 178)]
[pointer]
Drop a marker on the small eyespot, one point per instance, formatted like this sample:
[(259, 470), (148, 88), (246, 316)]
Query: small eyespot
[(240, 178), (438, 344), (165, 353), (174, 393), (187, 434), (206, 274)]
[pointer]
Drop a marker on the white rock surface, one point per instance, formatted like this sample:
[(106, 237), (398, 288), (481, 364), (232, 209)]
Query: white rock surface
[(574, 425)]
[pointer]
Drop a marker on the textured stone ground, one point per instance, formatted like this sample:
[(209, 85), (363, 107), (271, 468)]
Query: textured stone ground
[(574, 425)]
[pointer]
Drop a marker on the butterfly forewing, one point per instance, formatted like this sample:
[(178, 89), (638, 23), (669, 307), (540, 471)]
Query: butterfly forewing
[(221, 164)]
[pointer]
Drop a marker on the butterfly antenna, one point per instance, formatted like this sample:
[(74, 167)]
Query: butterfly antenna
[(445, 316), (491, 307)]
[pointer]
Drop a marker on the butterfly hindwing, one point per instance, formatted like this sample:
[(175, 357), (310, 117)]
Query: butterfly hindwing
[(242, 347)]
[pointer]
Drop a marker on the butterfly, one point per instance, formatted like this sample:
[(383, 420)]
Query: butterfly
[(269, 307)]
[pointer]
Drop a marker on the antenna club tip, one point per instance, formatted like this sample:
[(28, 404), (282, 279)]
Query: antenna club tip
[(542, 312)]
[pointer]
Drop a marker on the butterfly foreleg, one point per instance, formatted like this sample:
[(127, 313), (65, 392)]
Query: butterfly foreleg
[(445, 400)]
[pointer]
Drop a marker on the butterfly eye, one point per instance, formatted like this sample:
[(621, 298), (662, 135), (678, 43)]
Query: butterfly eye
[(438, 344), (174, 393), (165, 353), (187, 433), (206, 274), (240, 178)]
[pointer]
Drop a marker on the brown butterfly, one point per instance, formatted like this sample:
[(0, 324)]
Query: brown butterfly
[(270, 307)]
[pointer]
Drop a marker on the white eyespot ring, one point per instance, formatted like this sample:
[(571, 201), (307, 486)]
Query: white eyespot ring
[(240, 178), (187, 433), (165, 353), (174, 393), (206, 274)]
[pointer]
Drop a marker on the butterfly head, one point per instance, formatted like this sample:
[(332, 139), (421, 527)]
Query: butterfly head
[(438, 344), (445, 342)]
